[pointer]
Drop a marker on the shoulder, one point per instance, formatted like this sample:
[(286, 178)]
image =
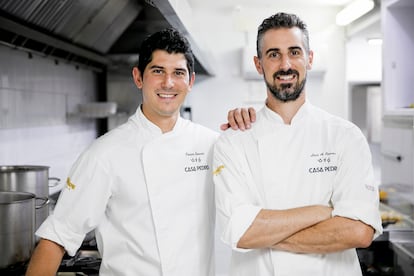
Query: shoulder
[(114, 140), (335, 126), (256, 129), (239, 138), (200, 131), (335, 121)]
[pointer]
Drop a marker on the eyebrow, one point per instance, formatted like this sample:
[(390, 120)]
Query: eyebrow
[(162, 67), (278, 50), (156, 67)]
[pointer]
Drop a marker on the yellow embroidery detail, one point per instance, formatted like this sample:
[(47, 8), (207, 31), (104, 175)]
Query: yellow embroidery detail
[(218, 170), (70, 185)]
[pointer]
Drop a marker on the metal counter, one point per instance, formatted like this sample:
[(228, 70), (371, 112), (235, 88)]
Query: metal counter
[(393, 251)]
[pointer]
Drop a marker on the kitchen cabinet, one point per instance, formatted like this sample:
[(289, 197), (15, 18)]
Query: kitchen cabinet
[(397, 150), (398, 54)]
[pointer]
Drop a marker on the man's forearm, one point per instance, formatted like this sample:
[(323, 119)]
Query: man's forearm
[(332, 235), (46, 259), (273, 226)]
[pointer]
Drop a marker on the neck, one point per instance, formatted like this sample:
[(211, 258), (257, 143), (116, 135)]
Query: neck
[(286, 110), (166, 123)]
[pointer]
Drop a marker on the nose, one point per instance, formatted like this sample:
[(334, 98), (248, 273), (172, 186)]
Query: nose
[(285, 63), (167, 81)]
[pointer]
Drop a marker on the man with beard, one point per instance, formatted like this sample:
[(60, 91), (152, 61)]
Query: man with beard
[(295, 193)]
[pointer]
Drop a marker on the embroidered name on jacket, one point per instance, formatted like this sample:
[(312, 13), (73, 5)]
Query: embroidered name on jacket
[(323, 162), (196, 161)]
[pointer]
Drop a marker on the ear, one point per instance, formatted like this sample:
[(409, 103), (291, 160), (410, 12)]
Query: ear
[(192, 80), (310, 60), (258, 65), (136, 75)]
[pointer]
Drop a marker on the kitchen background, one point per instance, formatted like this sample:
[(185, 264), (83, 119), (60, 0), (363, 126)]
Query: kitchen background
[(57, 57)]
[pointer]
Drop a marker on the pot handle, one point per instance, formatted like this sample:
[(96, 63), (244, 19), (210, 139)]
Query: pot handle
[(44, 203), (56, 179)]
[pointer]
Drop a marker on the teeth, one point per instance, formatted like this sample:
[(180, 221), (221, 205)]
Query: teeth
[(166, 95), (289, 77)]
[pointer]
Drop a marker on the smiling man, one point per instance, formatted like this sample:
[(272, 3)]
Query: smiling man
[(295, 193), (145, 187)]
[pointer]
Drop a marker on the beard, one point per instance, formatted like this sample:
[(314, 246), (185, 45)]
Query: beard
[(286, 92)]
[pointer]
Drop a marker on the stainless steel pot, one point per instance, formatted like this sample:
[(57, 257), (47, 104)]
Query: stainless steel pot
[(31, 179), (17, 216)]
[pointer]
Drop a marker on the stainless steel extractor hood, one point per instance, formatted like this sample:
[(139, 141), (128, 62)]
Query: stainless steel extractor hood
[(95, 33)]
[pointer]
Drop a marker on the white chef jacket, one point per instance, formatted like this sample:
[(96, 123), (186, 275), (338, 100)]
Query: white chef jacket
[(149, 196), (317, 159)]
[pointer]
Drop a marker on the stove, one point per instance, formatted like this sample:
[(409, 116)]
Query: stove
[(14, 270)]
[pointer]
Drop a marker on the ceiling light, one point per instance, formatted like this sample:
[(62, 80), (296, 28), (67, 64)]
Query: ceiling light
[(354, 10), (374, 41)]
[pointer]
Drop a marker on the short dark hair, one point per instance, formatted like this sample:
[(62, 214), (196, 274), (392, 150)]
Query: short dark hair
[(169, 40), (281, 20)]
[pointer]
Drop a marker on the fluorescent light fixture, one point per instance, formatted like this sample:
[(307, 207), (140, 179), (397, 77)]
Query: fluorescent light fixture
[(374, 41), (354, 10)]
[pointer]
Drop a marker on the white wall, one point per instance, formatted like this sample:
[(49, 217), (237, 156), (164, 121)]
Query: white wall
[(35, 97), (364, 62), (122, 90)]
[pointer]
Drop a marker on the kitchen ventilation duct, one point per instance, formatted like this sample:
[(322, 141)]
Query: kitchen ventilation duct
[(96, 33), (78, 31)]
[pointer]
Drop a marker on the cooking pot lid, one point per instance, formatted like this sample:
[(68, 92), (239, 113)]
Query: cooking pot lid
[(22, 168), (15, 197)]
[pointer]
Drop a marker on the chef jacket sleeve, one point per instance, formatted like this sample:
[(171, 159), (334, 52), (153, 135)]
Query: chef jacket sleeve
[(355, 193), (81, 204), (236, 203)]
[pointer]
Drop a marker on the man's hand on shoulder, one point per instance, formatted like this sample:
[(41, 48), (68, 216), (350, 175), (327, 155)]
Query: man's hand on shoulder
[(240, 118)]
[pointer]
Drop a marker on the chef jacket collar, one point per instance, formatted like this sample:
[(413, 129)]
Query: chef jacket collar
[(299, 116), (143, 121)]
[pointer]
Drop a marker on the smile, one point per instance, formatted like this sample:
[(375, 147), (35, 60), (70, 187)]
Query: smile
[(286, 77), (167, 96)]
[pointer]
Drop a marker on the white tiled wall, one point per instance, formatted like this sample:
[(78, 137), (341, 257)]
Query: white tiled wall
[(122, 90), (36, 94)]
